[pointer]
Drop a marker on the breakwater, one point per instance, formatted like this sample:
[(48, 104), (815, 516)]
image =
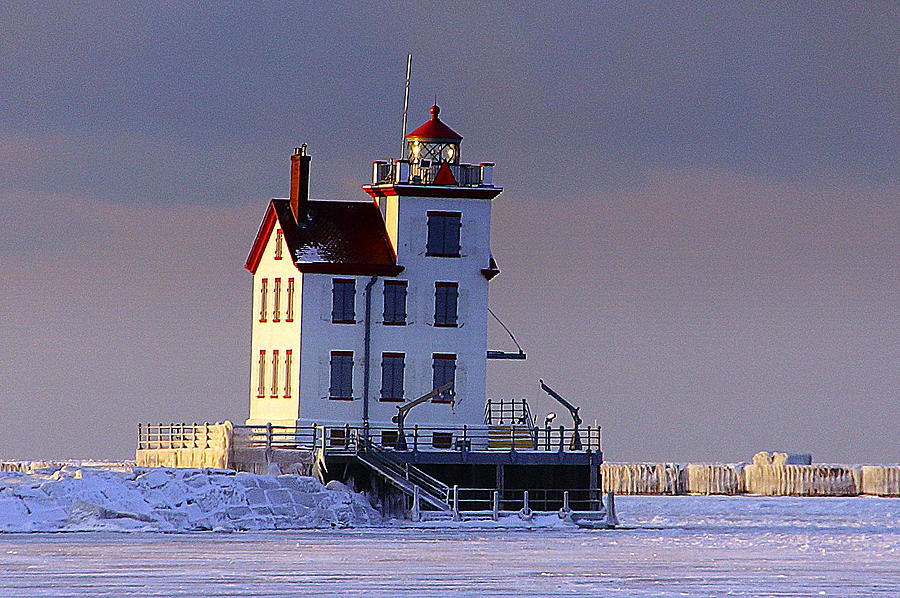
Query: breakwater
[(769, 474)]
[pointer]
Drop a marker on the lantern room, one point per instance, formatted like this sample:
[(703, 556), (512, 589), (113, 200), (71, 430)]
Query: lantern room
[(433, 143)]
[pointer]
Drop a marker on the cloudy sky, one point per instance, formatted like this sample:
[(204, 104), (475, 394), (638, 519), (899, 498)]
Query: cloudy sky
[(699, 233)]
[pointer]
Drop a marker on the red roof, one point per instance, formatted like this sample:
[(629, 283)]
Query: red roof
[(341, 237), (435, 130)]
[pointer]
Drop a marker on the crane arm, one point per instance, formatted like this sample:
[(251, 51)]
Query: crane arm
[(403, 409), (572, 408)]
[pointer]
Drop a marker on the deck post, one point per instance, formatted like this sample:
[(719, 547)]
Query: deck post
[(416, 514), (456, 516), (595, 499), (562, 439), (415, 437), (501, 482), (495, 505), (512, 438)]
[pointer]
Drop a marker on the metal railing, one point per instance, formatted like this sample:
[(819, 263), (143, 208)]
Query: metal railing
[(282, 437), (481, 500), (386, 464), (510, 412), (347, 438), (179, 435), (424, 173)]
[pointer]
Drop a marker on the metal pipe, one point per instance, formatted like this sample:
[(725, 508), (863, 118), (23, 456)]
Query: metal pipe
[(405, 105), (366, 356)]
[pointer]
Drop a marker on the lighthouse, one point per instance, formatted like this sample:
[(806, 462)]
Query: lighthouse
[(361, 305)]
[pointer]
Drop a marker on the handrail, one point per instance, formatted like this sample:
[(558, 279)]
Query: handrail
[(345, 438), (410, 473), (539, 499), (511, 411)]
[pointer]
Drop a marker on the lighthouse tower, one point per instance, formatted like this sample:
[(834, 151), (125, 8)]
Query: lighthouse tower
[(374, 303)]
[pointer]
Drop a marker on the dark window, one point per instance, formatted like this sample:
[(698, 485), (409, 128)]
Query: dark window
[(276, 300), (392, 376), (290, 300), (444, 372), (442, 440), (395, 302), (275, 373), (337, 437), (389, 438), (287, 374), (446, 295), (443, 234), (343, 296), (261, 375), (263, 293), (341, 375)]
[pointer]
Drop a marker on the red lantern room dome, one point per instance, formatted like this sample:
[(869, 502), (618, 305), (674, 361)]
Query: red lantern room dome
[(435, 130), (434, 142)]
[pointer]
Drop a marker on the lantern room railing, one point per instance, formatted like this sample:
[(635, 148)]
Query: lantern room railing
[(423, 172)]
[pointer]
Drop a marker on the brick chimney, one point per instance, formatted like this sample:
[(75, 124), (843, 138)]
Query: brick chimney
[(300, 184)]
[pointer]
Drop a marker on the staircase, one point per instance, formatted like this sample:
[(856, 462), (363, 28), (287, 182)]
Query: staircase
[(510, 424), (405, 477)]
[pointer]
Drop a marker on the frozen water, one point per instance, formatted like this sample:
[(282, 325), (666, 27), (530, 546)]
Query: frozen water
[(667, 546)]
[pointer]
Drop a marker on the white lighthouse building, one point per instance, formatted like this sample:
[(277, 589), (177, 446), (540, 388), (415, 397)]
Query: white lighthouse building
[(362, 305)]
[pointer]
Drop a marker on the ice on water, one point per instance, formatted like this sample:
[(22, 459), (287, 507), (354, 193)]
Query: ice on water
[(73, 498)]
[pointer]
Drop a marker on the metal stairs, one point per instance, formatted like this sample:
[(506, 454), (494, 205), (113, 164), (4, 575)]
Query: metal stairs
[(406, 477), (508, 437)]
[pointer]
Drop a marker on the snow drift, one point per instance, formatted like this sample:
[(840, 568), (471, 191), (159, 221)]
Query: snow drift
[(74, 498)]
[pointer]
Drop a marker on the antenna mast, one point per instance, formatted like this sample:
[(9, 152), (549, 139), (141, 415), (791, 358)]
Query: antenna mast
[(405, 105)]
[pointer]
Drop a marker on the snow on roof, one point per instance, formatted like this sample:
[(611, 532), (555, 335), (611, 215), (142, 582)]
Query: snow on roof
[(339, 237)]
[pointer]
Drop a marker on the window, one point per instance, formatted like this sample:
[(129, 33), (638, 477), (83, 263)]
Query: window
[(279, 241), (443, 234), (395, 302), (261, 375), (389, 438), (446, 295), (337, 437), (287, 374), (444, 372), (289, 313), (392, 376), (263, 293), (275, 374), (276, 300), (442, 440), (343, 295), (341, 375)]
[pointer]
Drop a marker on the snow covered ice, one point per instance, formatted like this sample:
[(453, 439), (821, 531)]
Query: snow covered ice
[(667, 546), (73, 498)]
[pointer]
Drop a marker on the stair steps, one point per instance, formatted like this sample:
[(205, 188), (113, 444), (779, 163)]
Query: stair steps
[(506, 437)]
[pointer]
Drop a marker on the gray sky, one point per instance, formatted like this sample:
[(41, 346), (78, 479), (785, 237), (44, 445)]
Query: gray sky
[(699, 233)]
